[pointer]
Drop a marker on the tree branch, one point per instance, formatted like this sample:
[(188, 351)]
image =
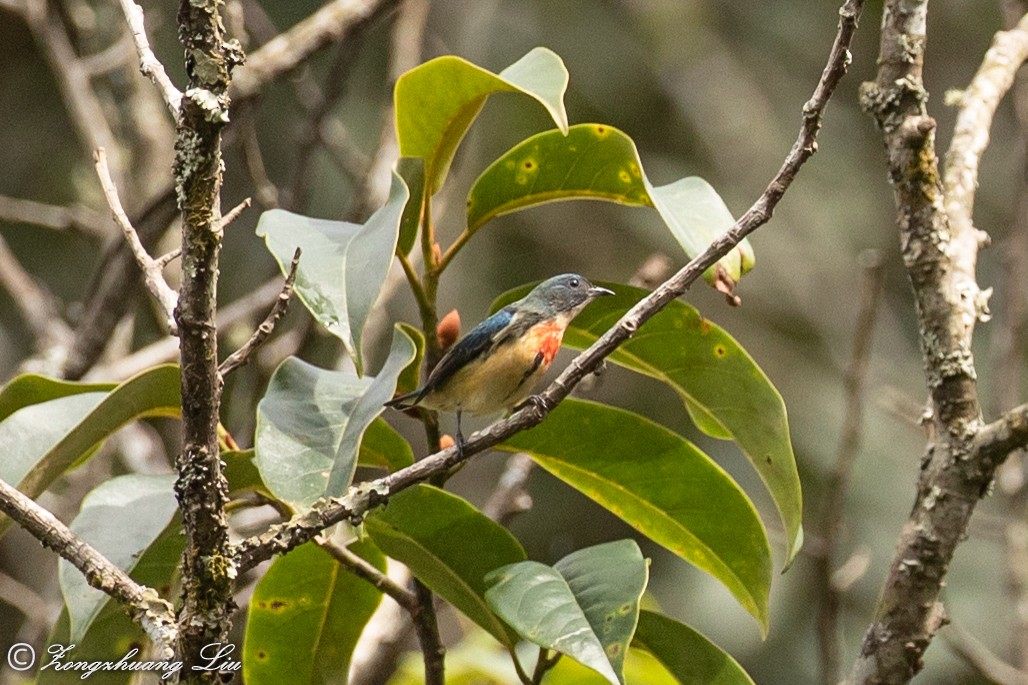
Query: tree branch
[(362, 569), (153, 614), (939, 252), (149, 65), (151, 268), (201, 487), (360, 498), (981, 658), (285, 52)]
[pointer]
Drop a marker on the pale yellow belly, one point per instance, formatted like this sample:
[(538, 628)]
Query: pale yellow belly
[(490, 385)]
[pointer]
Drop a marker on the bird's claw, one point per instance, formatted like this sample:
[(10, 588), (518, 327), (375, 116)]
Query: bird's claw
[(537, 401)]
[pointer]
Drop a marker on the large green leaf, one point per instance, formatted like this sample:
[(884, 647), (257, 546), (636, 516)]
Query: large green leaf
[(437, 101), (42, 441), (412, 171), (726, 393), (599, 162), (29, 388), (662, 486), (478, 660), (689, 656), (585, 606), (305, 617), (449, 545), (311, 422), (121, 519), (410, 377), (343, 265), (114, 635)]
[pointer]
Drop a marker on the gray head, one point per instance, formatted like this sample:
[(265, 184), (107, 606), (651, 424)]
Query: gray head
[(567, 293)]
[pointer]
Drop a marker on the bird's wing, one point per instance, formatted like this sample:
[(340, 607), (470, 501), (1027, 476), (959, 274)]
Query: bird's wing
[(481, 339)]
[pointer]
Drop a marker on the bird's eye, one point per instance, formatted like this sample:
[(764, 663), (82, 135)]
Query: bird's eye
[(574, 283)]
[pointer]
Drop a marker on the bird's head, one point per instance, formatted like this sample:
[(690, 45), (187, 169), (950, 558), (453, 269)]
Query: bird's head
[(566, 294)]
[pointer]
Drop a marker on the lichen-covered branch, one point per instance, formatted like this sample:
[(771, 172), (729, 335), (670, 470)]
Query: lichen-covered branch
[(939, 252), (201, 487), (153, 614), (359, 499)]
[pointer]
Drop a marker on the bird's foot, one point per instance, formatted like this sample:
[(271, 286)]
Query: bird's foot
[(537, 401), (460, 442)]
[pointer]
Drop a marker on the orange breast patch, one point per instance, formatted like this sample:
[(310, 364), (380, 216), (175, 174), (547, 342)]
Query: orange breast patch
[(545, 337)]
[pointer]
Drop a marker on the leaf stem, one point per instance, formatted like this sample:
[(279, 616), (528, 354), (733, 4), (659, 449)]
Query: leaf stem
[(452, 251), (425, 307)]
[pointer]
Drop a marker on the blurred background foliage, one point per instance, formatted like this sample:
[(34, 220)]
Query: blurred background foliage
[(705, 87)]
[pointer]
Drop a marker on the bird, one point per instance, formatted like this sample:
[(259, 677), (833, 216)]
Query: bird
[(497, 364)]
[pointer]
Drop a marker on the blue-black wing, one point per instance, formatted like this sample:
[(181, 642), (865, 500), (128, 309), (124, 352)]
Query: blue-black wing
[(480, 340)]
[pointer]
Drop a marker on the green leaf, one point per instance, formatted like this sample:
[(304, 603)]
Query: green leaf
[(449, 545), (641, 668), (585, 606), (412, 171), (240, 470), (114, 634), (311, 422), (662, 486), (47, 439), (726, 393), (410, 377), (437, 101), (689, 656), (28, 389), (383, 447), (599, 162), (121, 519), (305, 617), (343, 265)]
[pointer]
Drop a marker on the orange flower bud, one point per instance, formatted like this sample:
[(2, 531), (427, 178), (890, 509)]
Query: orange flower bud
[(448, 330)]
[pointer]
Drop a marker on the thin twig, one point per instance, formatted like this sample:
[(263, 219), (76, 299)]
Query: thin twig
[(285, 52), (154, 615), (360, 498), (166, 349), (234, 213), (981, 658), (839, 478), (363, 569), (149, 65), (151, 269), (241, 356), (994, 78), (510, 498), (55, 217), (427, 628), (84, 108), (26, 600), (36, 304), (112, 290)]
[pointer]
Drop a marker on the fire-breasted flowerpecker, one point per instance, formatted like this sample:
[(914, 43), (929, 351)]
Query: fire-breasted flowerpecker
[(496, 365)]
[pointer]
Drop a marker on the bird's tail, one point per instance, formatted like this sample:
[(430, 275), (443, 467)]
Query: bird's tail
[(406, 401)]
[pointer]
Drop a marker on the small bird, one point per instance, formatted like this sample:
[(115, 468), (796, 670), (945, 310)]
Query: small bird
[(497, 364)]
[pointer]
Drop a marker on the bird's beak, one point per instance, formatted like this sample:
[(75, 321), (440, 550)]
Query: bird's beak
[(596, 291)]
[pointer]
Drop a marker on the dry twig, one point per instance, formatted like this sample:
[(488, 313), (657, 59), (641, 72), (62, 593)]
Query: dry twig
[(241, 356), (153, 614), (151, 268), (149, 65)]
